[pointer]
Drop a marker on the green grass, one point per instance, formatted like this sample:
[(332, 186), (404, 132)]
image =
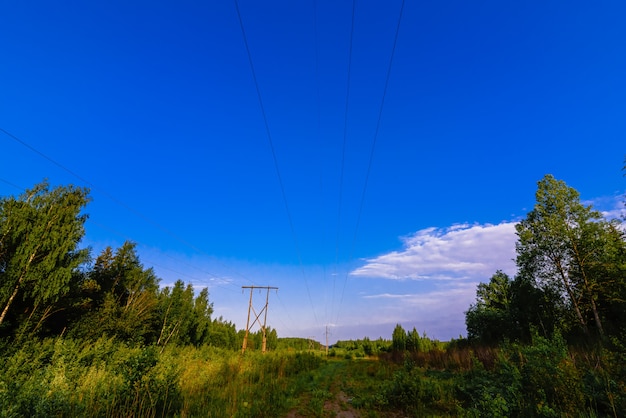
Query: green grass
[(107, 378)]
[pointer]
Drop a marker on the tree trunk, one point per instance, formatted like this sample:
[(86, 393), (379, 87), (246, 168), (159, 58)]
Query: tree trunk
[(8, 304), (572, 297), (596, 317), (164, 323), (17, 286), (581, 264)]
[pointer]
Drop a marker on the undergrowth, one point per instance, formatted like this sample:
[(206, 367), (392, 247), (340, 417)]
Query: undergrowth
[(63, 377)]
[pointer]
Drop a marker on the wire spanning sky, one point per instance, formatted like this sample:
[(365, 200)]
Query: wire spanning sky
[(155, 106)]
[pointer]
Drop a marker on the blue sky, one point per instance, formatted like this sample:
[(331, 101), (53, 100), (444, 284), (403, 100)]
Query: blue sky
[(154, 106)]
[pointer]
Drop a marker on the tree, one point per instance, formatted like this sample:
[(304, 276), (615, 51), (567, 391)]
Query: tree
[(202, 311), (561, 248), (608, 270), (533, 310), (398, 338), (39, 236), (223, 334), (185, 320), (489, 319), (413, 340), (121, 297)]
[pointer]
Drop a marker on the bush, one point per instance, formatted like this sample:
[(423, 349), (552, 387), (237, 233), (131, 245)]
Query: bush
[(538, 380)]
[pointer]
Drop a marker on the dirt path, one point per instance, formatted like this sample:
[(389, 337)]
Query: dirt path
[(326, 397), (338, 407)]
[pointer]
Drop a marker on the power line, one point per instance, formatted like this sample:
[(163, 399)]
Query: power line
[(286, 313), (343, 150), (318, 128), (126, 238), (372, 150), (108, 195), (12, 185), (112, 198), (317, 67), (271, 144), (41, 154), (152, 263)]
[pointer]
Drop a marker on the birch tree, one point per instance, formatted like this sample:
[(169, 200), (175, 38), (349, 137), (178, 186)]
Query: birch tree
[(560, 244), (39, 235)]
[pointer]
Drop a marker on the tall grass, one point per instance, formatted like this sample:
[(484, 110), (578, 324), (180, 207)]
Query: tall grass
[(108, 378), (63, 377)]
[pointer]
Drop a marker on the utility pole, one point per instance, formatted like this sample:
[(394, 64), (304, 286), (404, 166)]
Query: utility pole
[(327, 340), (251, 308)]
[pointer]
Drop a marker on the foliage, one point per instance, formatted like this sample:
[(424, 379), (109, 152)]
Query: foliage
[(39, 235), (295, 343), (568, 250), (489, 319), (223, 334), (103, 339), (109, 377), (398, 338), (119, 298), (66, 377), (419, 393), (185, 319), (571, 277), (361, 348)]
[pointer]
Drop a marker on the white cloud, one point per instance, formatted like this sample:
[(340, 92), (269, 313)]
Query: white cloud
[(443, 301), (446, 264), (618, 211), (439, 311), (611, 207), (458, 252)]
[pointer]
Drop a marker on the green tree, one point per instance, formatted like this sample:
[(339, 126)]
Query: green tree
[(202, 310), (223, 334), (185, 319), (562, 248), (122, 297), (398, 338), (271, 337), (608, 270), (413, 340), (533, 308), (489, 319), (39, 255), (176, 305)]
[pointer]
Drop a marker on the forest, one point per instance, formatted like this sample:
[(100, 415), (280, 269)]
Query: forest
[(95, 335)]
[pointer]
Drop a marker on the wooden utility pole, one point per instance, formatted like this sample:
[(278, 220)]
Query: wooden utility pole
[(326, 340), (251, 308)]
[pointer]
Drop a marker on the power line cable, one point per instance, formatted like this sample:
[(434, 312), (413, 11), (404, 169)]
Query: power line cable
[(12, 185), (126, 238), (271, 144), (343, 149), (286, 313), (318, 129), (113, 198), (372, 150), (108, 195), (317, 68)]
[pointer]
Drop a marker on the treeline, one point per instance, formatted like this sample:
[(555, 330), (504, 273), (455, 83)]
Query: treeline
[(100, 337), (549, 342), (49, 286), (558, 327), (360, 348), (571, 277)]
